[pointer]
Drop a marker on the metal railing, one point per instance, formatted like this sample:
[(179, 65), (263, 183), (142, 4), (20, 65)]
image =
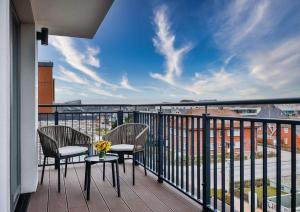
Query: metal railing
[(214, 160)]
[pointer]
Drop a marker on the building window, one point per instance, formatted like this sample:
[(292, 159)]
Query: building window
[(285, 141), (237, 145), (236, 133), (211, 133), (286, 130)]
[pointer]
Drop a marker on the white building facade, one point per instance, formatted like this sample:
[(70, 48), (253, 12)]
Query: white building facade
[(19, 22)]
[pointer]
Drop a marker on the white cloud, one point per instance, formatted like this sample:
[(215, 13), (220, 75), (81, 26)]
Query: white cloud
[(125, 84), (91, 58), (69, 76), (243, 20), (77, 58), (269, 60), (164, 42), (279, 66), (213, 82), (99, 91), (229, 59), (273, 72)]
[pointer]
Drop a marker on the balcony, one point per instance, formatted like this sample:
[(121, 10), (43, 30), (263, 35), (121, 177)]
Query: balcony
[(146, 195), (196, 160)]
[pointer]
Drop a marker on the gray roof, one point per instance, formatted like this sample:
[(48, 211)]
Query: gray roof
[(271, 111), (45, 64)]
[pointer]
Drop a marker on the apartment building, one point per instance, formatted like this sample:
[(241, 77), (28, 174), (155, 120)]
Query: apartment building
[(22, 25), (272, 111), (285, 134), (46, 89), (192, 139)]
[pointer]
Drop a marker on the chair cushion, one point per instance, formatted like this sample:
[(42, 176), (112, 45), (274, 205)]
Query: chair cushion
[(72, 150), (121, 147)]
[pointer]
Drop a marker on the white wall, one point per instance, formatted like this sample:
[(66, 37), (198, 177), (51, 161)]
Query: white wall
[(4, 106), (28, 69)]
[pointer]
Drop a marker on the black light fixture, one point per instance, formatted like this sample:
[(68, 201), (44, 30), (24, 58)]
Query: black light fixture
[(43, 36)]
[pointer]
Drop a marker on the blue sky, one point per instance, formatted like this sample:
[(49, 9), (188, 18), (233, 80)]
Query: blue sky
[(154, 51)]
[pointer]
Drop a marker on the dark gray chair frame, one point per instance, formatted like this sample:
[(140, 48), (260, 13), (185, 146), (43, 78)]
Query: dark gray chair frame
[(132, 133), (54, 137)]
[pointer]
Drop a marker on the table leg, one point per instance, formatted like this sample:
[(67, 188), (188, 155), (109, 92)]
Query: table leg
[(103, 171), (89, 181), (85, 176), (118, 180), (121, 158), (113, 174)]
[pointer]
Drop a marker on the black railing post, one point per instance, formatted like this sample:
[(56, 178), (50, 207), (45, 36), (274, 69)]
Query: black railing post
[(120, 117), (56, 162), (136, 117), (56, 116), (120, 122), (206, 161), (160, 146)]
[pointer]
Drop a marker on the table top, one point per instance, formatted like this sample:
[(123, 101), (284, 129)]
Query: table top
[(109, 157)]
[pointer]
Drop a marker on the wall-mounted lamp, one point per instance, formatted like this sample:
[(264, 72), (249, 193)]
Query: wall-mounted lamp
[(43, 36)]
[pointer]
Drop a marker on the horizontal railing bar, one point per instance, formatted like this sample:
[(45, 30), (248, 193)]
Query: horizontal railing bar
[(249, 119), (83, 112), (268, 120), (294, 100)]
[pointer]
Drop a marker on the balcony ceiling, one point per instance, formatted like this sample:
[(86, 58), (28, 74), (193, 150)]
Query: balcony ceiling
[(75, 18)]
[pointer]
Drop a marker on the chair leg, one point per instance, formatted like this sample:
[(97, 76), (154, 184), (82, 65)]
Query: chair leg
[(66, 165), (133, 169), (144, 160), (103, 171), (42, 178), (58, 177)]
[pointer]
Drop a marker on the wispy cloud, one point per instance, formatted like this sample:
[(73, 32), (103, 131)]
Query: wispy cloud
[(101, 92), (278, 67), (164, 42), (125, 84), (211, 82), (69, 76), (242, 20), (91, 58), (269, 60), (75, 58)]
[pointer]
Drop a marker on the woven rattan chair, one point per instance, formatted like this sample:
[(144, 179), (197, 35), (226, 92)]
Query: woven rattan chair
[(129, 139), (61, 142)]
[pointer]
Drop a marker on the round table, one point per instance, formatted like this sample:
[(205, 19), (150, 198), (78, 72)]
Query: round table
[(94, 159)]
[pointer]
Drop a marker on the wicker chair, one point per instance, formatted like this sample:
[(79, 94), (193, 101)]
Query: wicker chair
[(128, 139), (61, 142)]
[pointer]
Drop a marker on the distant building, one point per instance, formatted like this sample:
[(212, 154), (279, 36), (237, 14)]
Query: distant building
[(271, 111), (274, 112), (291, 110), (247, 111), (46, 86), (193, 132)]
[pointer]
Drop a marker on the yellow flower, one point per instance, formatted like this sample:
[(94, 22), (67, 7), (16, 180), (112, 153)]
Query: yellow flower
[(103, 146)]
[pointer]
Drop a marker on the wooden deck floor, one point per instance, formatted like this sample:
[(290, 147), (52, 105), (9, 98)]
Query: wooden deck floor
[(146, 195)]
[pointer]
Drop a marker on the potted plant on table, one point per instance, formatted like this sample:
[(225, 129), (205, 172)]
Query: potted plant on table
[(102, 147)]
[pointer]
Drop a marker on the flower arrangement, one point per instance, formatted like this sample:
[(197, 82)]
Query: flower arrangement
[(102, 147)]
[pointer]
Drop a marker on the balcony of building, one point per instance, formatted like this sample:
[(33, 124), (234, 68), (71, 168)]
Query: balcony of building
[(205, 160)]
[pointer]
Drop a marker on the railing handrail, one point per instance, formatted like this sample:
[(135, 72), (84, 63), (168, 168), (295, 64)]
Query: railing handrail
[(295, 100)]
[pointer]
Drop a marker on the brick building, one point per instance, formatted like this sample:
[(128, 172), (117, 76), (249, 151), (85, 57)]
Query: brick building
[(193, 132), (272, 111), (46, 86)]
